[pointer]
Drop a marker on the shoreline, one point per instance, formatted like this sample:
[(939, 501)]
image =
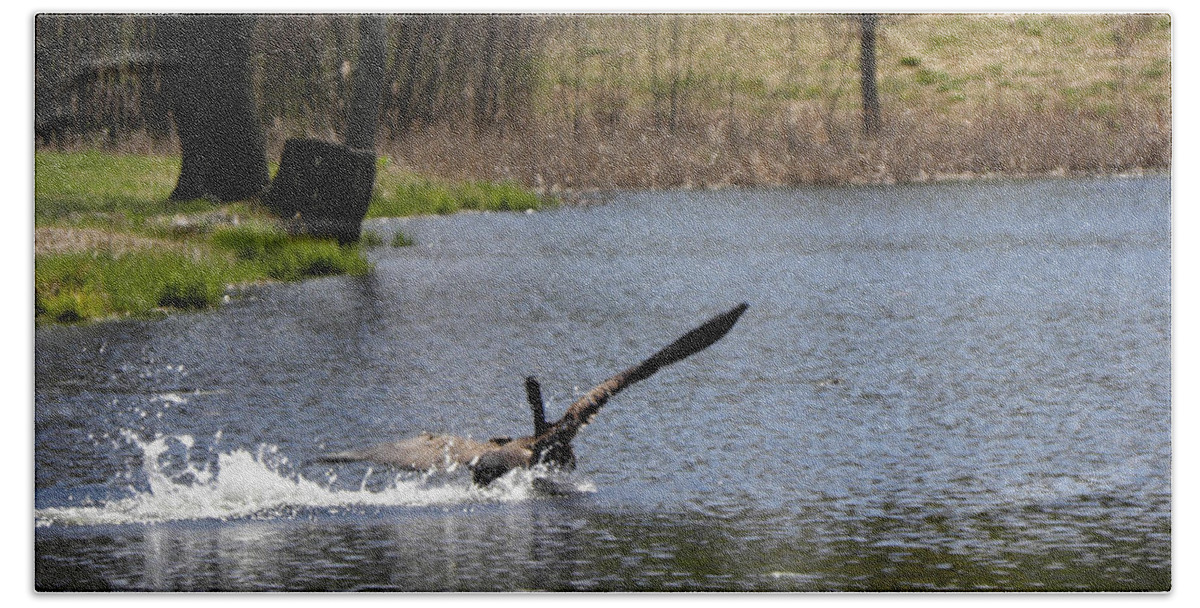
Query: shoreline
[(99, 246), (599, 196)]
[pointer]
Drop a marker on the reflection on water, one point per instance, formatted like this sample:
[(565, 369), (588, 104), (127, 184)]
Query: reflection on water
[(567, 544), (959, 386)]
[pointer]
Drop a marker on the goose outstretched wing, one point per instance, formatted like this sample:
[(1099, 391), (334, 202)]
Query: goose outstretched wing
[(585, 408)]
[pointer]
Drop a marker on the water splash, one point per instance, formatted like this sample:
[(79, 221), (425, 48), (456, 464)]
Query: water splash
[(241, 484)]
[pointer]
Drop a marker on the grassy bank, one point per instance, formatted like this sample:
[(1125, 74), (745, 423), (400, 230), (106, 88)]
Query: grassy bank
[(400, 193), (107, 244)]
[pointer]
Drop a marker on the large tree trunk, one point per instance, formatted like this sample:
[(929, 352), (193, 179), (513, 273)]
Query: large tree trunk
[(206, 78)]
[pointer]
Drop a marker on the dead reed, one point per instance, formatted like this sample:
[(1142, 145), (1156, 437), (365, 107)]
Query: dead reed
[(772, 151)]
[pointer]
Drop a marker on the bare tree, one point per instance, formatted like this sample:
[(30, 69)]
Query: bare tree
[(870, 91), (367, 94)]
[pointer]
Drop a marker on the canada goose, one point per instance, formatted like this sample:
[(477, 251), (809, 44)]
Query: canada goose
[(550, 443)]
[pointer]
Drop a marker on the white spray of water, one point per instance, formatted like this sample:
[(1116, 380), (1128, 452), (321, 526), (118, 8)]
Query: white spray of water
[(249, 485)]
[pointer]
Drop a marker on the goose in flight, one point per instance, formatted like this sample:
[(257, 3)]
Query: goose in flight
[(550, 443)]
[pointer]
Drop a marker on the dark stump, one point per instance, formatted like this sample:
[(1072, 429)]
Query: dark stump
[(323, 186)]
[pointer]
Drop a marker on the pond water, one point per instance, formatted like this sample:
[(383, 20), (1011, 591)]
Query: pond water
[(953, 386)]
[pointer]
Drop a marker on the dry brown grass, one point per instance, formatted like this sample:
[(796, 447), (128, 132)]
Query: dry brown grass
[(60, 239), (773, 100), (52, 239), (786, 151)]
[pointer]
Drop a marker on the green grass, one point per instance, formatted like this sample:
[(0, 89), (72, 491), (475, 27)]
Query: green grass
[(304, 258), (82, 286), (370, 239), (125, 194), (116, 188), (75, 287), (402, 240), (251, 242), (273, 253), (400, 194)]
